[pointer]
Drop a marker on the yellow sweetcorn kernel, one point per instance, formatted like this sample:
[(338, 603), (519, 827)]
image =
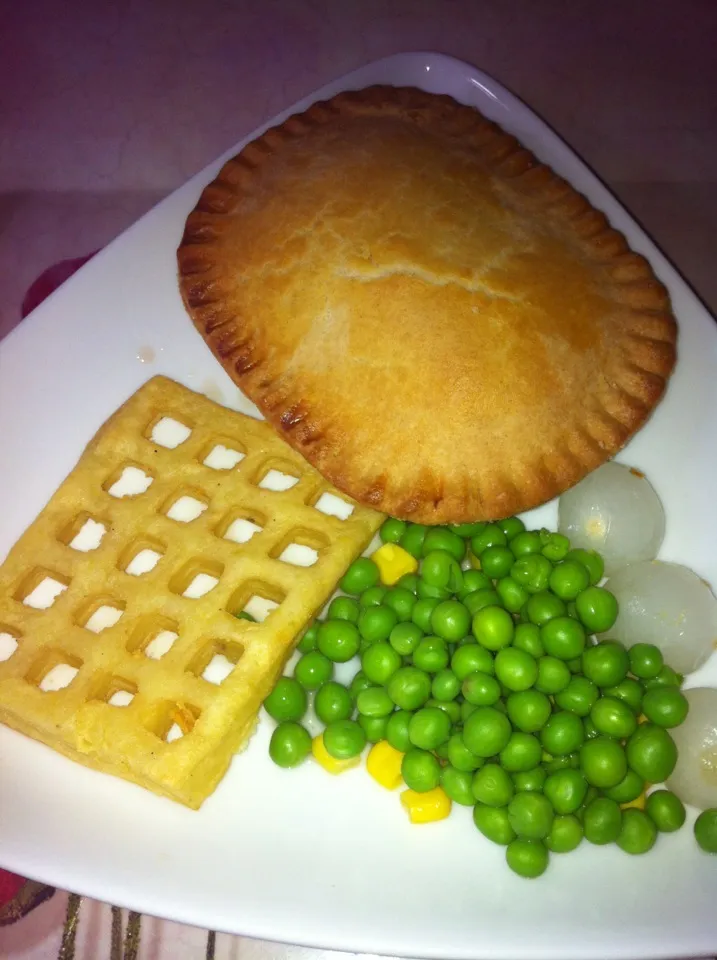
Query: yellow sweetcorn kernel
[(393, 562), (384, 764), (638, 802), (426, 807), (329, 763)]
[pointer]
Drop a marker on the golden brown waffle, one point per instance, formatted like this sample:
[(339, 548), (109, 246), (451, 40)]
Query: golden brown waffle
[(123, 703)]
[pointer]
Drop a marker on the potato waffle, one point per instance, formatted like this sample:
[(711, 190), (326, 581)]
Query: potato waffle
[(142, 657)]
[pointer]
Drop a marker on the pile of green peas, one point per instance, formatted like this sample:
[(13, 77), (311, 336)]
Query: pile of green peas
[(482, 670)]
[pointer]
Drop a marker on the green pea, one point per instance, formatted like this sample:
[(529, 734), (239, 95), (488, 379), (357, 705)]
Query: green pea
[(666, 810), (457, 785), (566, 790), (492, 785), (606, 663), (555, 546), (431, 654), (638, 833), (425, 591), (397, 730), (532, 571), (493, 628), (362, 574), (525, 543), (628, 789), (412, 539), (493, 823), (646, 660), (613, 718), (527, 780), (441, 569), (422, 613), (515, 669), (528, 710), (420, 770), (603, 762), (511, 527), (490, 536), (651, 752), (313, 669), (527, 858), (553, 675), (588, 726), (441, 538), (338, 640), (471, 658), (401, 601), (563, 733), (563, 638), (667, 677), (602, 821), (333, 702), (565, 834), (373, 727), (479, 599), (496, 562), (372, 597), (404, 638), (629, 691), (392, 530), (527, 638), (376, 623), (569, 579), (428, 728), (374, 702), (542, 607), (409, 688), (308, 641), (486, 731), (467, 709), (568, 761), (287, 701), (459, 756), (344, 739), (578, 697), (531, 815), (474, 580), (290, 744), (360, 682), (522, 752), (480, 689), (445, 686), (514, 596), (597, 609), (450, 620), (379, 662), (665, 706), (706, 830), (343, 608), (591, 560), (409, 581)]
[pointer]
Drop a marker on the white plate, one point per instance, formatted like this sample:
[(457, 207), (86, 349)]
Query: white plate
[(302, 857)]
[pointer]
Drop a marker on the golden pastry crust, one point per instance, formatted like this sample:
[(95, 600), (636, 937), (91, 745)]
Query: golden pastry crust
[(440, 324)]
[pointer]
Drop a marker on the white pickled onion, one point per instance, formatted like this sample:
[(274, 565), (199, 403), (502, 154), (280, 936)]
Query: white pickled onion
[(615, 511), (668, 605), (694, 779)]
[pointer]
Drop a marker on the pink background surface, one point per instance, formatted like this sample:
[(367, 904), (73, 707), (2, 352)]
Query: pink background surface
[(106, 107)]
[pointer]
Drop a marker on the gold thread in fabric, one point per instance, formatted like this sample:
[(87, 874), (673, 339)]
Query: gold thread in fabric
[(69, 932), (131, 936)]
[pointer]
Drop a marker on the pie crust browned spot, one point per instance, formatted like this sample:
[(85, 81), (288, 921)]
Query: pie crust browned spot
[(440, 324)]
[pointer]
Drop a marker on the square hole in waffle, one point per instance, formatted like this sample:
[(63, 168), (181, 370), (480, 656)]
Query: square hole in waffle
[(111, 650)]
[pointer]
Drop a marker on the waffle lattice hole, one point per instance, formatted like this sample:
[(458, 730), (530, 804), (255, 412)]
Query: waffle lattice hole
[(257, 598), (196, 578), (128, 481), (53, 670), (216, 660), (222, 454), (173, 721), (9, 642), (277, 475), (168, 432), (141, 556), (241, 525), (41, 588), (116, 691), (300, 547), (154, 636), (100, 613), (185, 505), (84, 533)]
